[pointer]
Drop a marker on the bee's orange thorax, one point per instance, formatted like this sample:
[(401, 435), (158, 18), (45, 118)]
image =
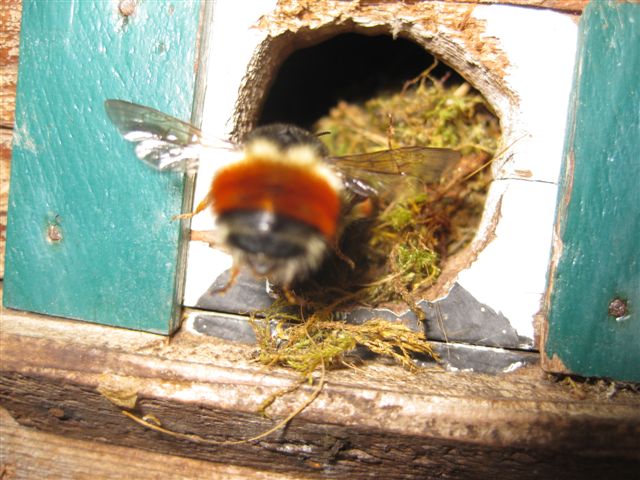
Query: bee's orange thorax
[(291, 190)]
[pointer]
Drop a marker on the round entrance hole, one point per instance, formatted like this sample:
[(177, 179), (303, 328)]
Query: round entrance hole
[(349, 67), (372, 93)]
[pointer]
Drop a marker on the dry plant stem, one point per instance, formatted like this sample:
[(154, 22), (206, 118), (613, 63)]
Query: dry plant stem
[(145, 422)]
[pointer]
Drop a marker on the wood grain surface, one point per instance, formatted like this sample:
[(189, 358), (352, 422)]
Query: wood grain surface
[(10, 11), (69, 378), (574, 6), (59, 380), (27, 454)]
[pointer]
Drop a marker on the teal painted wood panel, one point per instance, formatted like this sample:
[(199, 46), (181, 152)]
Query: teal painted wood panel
[(599, 203), (89, 232)]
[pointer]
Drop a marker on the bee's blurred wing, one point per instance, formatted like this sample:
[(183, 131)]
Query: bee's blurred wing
[(375, 173), (161, 141)]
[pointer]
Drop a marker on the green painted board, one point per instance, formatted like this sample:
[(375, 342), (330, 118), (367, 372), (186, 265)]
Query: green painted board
[(599, 204), (89, 232)]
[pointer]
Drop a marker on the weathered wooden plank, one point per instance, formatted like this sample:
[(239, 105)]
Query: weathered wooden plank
[(10, 11), (5, 167), (377, 419), (573, 6), (9, 41), (10, 20), (27, 454), (83, 211), (593, 318), (8, 82)]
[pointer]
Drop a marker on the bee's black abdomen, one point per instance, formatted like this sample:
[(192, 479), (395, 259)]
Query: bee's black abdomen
[(262, 232), (280, 248)]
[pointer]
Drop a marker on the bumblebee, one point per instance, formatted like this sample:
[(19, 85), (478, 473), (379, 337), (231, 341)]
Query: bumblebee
[(283, 204)]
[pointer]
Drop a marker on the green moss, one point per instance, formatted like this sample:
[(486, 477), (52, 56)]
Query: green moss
[(319, 340), (426, 112)]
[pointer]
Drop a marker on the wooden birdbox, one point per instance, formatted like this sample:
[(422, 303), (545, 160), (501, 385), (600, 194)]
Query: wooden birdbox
[(93, 226), (550, 274)]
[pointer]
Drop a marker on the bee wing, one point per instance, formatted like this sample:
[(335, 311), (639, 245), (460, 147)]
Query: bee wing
[(370, 174), (161, 141)]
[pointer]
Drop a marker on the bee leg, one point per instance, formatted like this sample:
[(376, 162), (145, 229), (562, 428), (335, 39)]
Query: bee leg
[(291, 297), (342, 256), (364, 209), (391, 131), (206, 236), (360, 210), (206, 201), (232, 279)]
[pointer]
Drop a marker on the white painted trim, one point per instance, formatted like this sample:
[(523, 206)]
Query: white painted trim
[(233, 40), (510, 274)]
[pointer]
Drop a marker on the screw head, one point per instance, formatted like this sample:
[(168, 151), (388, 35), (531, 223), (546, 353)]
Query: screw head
[(618, 307), (54, 234), (127, 7)]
